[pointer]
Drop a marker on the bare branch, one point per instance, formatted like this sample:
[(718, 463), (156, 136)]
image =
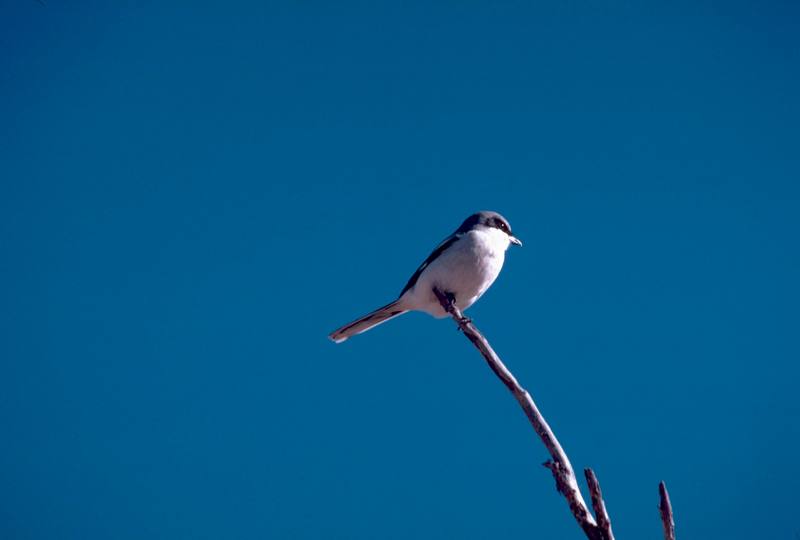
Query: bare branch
[(665, 509), (559, 465), (598, 504)]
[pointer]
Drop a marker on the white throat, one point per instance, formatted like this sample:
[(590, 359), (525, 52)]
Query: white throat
[(496, 239)]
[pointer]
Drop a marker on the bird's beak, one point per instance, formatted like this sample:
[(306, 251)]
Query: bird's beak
[(514, 240)]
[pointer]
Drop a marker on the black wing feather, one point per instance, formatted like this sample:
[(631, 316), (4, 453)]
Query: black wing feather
[(436, 252)]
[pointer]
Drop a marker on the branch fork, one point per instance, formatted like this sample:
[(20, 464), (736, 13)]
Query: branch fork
[(595, 527)]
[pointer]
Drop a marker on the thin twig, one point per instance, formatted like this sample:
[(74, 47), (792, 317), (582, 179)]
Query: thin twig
[(598, 504), (665, 509), (559, 465)]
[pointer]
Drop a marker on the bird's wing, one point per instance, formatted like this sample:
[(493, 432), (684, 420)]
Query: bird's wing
[(436, 252)]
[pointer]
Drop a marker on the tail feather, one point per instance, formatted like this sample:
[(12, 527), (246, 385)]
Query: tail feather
[(371, 320)]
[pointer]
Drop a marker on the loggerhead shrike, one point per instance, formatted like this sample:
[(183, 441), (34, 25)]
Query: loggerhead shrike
[(464, 265)]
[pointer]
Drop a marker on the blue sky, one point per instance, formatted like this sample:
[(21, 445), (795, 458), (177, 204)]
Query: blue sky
[(193, 196)]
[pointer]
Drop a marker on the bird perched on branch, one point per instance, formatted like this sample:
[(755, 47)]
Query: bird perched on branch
[(463, 266)]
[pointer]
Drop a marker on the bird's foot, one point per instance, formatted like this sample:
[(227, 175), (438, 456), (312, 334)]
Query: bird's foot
[(451, 301)]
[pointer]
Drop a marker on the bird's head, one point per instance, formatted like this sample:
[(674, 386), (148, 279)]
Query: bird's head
[(487, 220)]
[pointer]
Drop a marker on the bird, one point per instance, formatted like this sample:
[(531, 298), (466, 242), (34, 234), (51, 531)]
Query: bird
[(463, 266)]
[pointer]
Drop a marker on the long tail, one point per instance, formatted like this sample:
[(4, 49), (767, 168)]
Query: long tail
[(380, 315)]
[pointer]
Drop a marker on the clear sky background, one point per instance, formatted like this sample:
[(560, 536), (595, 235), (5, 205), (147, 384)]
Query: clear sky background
[(192, 197)]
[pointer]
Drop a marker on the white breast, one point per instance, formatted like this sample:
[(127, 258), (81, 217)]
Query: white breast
[(466, 269)]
